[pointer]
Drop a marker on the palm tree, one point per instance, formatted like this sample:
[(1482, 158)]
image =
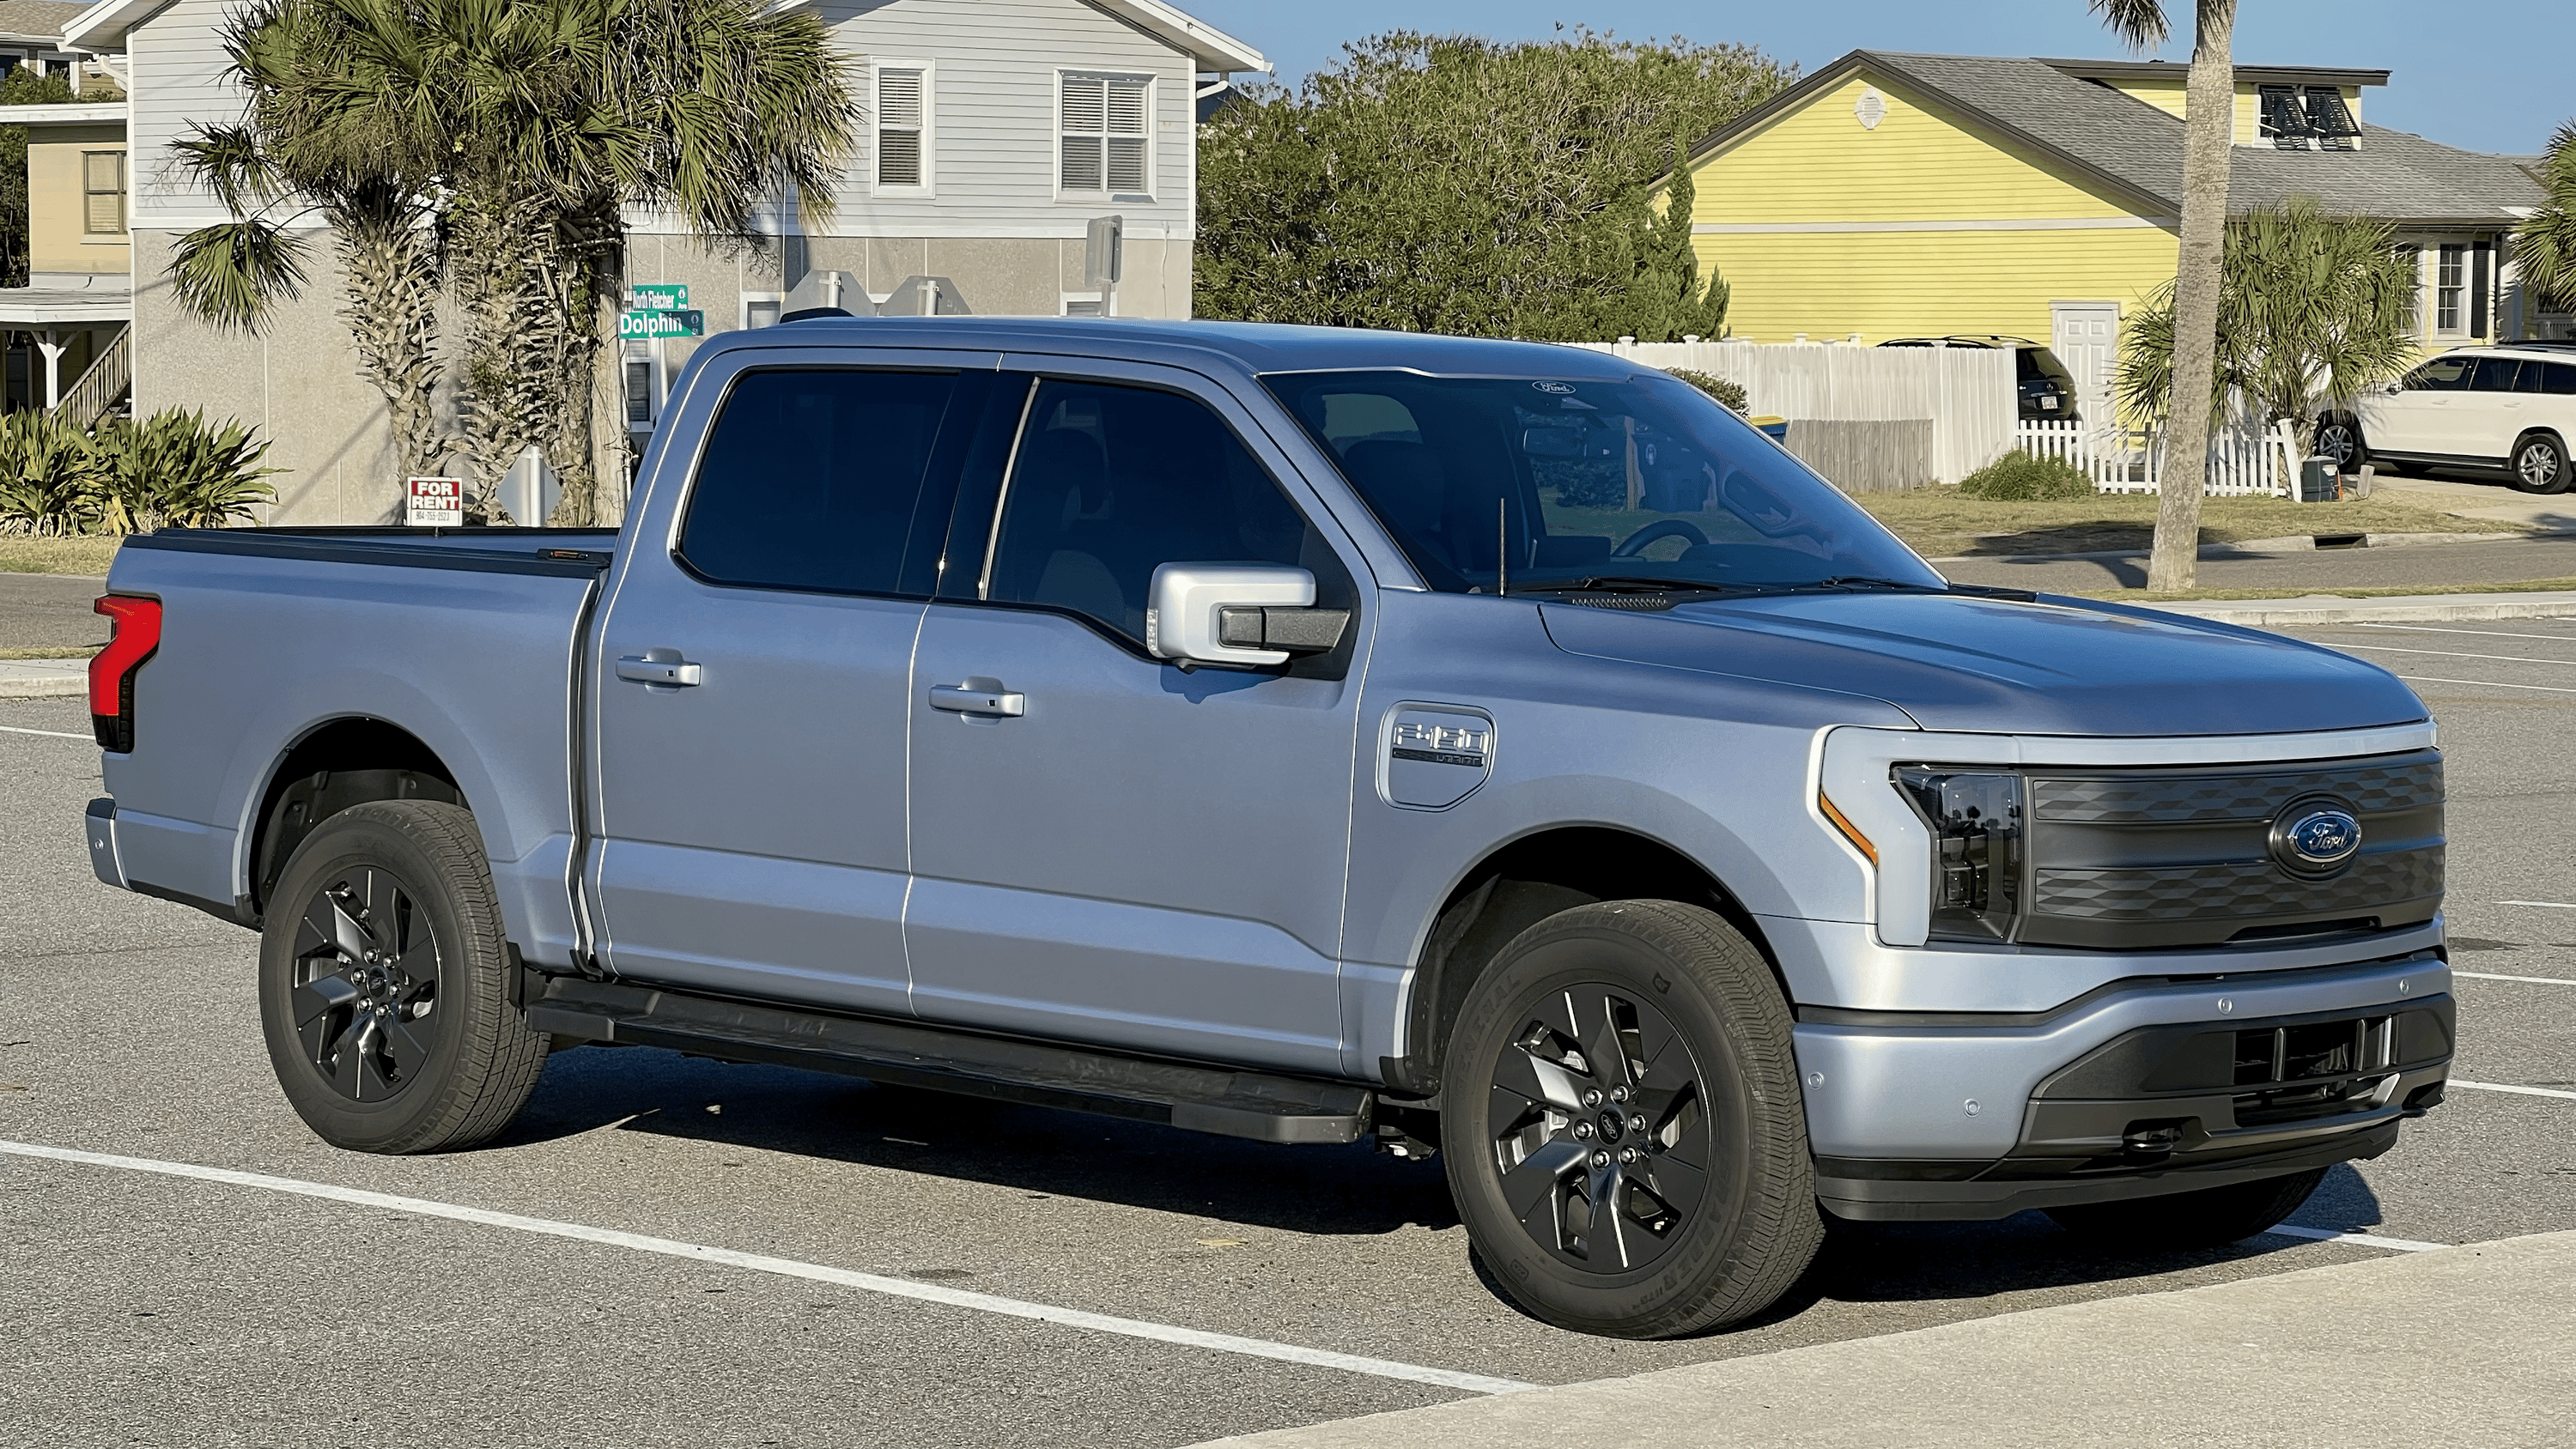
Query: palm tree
[(523, 132), (2546, 242), (2209, 120), (2312, 309)]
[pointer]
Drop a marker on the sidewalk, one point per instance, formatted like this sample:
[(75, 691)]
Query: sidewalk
[(2471, 1345), (2317, 609), (43, 678)]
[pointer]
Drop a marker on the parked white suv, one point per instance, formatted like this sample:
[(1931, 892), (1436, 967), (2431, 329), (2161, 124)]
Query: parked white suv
[(2508, 409)]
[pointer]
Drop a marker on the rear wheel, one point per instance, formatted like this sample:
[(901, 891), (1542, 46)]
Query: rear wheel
[(384, 984), (2339, 438), (2208, 1218), (2539, 464), (1625, 1135)]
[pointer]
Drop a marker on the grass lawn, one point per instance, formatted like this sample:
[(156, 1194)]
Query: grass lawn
[(52, 651), (1941, 524), (22, 555)]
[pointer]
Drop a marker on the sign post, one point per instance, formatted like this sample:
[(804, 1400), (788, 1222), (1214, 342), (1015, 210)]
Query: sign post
[(434, 502)]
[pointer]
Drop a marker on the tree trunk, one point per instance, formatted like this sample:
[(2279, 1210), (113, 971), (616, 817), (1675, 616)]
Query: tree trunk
[(2209, 125), (390, 302)]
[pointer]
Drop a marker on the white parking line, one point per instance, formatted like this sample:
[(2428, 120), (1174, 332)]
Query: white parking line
[(2517, 1091), (2330, 1235), (2486, 683), (2490, 633), (788, 1267), (2551, 905), (2491, 976), (2454, 654), (57, 734)]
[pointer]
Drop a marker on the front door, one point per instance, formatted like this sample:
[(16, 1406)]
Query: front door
[(2086, 337), (2418, 417), (753, 689), (1105, 848)]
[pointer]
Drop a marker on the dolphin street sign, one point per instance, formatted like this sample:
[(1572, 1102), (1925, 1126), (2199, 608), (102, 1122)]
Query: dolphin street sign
[(678, 322)]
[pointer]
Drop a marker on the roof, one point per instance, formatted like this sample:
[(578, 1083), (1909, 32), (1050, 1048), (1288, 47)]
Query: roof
[(2134, 150), (37, 19), (1256, 347), (102, 26), (74, 113), (65, 306), (2256, 74)]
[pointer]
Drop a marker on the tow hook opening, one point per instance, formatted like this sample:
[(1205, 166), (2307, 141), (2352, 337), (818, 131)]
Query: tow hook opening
[(2424, 1099), (2157, 1137)]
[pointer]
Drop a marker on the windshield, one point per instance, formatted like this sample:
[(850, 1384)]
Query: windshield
[(1643, 482)]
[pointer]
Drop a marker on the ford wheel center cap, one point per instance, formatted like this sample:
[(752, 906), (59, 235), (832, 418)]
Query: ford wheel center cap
[(2313, 836)]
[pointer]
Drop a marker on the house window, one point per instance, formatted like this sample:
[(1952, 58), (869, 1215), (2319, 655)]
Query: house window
[(103, 182), (1104, 146), (2450, 287), (2285, 121), (2330, 119), (2294, 118), (899, 126)]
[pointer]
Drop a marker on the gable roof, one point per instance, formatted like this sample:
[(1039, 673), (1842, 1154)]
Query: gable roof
[(37, 19), (2134, 150)]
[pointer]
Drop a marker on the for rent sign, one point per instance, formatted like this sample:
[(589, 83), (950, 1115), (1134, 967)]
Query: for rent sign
[(434, 502)]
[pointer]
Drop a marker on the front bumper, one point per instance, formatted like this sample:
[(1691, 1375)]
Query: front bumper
[(2125, 1093)]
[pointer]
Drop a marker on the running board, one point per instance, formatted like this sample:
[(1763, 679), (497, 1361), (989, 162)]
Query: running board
[(1202, 1099)]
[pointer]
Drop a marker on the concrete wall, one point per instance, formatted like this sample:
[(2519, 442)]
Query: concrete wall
[(296, 382), (57, 238)]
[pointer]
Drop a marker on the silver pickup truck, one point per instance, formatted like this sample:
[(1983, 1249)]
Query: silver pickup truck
[(1310, 735)]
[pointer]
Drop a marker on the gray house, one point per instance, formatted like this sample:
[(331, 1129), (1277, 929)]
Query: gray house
[(999, 131)]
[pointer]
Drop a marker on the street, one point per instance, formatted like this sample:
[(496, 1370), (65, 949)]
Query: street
[(148, 1308)]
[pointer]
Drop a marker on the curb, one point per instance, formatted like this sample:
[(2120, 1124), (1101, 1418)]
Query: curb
[(2287, 543), (43, 678), (2318, 609)]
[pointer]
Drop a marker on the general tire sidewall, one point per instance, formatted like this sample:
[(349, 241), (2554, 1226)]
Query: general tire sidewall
[(1554, 955), (467, 979)]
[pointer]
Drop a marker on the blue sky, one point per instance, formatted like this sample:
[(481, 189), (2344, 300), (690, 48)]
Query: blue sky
[(2492, 76)]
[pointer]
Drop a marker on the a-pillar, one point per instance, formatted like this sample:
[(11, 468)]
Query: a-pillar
[(50, 343)]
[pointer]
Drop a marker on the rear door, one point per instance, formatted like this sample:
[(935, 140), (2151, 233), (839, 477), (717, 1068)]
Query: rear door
[(2487, 417), (1116, 851), (756, 664)]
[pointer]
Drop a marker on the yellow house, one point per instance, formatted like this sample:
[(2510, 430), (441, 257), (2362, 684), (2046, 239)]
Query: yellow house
[(79, 295), (1899, 195)]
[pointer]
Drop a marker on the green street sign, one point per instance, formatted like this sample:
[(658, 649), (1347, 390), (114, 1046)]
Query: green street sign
[(634, 325), (658, 296)]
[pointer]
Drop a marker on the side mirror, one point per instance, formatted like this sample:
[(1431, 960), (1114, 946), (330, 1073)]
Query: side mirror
[(1236, 614)]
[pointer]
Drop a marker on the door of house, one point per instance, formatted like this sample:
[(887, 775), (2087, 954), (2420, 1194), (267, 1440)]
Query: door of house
[(2086, 337)]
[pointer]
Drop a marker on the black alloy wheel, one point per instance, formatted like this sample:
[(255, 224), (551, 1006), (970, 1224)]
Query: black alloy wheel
[(2339, 438), (366, 984), (2540, 465), (1626, 1134), (1598, 1131), (385, 984)]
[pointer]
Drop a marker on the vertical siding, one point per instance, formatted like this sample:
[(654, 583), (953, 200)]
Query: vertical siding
[(179, 78)]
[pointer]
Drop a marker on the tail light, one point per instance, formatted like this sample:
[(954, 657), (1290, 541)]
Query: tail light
[(111, 670)]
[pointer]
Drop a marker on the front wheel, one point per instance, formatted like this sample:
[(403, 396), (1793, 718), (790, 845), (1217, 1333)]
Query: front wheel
[(2539, 464), (2339, 438), (1626, 1139), (384, 981), (2208, 1218)]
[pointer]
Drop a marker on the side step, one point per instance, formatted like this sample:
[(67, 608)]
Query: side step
[(1203, 1099)]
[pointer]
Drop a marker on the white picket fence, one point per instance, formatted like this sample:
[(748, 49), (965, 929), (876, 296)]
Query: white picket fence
[(1966, 392), (2244, 457)]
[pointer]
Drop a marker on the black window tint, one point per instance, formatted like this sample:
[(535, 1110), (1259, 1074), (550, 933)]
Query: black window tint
[(814, 480), (2557, 377), (2494, 374), (1112, 482)]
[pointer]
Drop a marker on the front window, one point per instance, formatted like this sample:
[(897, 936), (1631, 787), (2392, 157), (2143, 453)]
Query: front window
[(103, 182), (2442, 374), (899, 127), (1539, 485), (1104, 137), (2450, 287)]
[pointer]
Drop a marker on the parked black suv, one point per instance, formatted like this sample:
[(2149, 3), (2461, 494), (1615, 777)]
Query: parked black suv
[(2045, 387)]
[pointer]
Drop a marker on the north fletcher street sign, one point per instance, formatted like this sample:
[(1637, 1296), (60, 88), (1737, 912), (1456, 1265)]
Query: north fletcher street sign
[(658, 296), (676, 323)]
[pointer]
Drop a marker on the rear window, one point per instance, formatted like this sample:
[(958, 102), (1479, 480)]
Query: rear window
[(2495, 374)]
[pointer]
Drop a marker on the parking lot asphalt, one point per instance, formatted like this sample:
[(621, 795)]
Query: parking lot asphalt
[(50, 611), (144, 1308)]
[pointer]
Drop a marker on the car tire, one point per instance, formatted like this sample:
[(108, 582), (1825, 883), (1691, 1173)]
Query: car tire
[(385, 984), (1634, 1053), (2539, 464), (2339, 437), (2209, 1217)]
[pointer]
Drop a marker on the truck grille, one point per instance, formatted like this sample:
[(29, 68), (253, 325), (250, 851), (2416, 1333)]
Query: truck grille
[(2131, 859)]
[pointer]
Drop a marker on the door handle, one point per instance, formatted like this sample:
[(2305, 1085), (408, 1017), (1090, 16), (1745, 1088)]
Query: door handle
[(673, 672), (966, 699)]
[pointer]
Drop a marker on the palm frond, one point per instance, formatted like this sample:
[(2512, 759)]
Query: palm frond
[(2140, 24), (231, 272)]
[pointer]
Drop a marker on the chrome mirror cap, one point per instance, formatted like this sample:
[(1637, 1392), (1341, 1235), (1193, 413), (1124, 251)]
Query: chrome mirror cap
[(1182, 606)]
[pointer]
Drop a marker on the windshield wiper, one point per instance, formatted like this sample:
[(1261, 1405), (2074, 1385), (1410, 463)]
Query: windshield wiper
[(1864, 581), (1601, 582)]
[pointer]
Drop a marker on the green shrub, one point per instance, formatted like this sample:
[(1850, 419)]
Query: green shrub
[(52, 480), (170, 470), (2017, 477), (1729, 393)]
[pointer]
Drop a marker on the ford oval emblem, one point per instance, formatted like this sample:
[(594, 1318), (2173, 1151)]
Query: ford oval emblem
[(2314, 836)]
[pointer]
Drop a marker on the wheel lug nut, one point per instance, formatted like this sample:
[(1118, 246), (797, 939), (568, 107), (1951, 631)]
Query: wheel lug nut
[(1637, 1125), (1629, 1154), (1618, 1094), (1592, 1098), (1583, 1130), (1601, 1159)]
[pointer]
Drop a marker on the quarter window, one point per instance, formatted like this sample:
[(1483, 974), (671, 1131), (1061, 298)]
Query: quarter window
[(103, 188), (815, 479), (1111, 482), (1104, 129), (2547, 377)]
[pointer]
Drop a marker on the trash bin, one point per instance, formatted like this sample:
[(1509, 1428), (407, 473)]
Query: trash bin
[(1778, 428), (2318, 482)]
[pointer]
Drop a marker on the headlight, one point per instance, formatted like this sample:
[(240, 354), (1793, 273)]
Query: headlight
[(1976, 820)]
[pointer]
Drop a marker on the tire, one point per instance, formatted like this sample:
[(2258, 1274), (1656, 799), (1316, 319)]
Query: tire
[(384, 984), (2209, 1218), (2539, 464), (1717, 1195), (2339, 438)]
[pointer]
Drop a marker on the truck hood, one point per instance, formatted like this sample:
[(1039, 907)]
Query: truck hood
[(1961, 662)]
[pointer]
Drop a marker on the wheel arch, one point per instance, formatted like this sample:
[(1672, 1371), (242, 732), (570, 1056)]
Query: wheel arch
[(338, 763), (1524, 881)]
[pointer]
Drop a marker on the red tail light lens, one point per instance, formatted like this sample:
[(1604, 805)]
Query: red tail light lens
[(111, 670)]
